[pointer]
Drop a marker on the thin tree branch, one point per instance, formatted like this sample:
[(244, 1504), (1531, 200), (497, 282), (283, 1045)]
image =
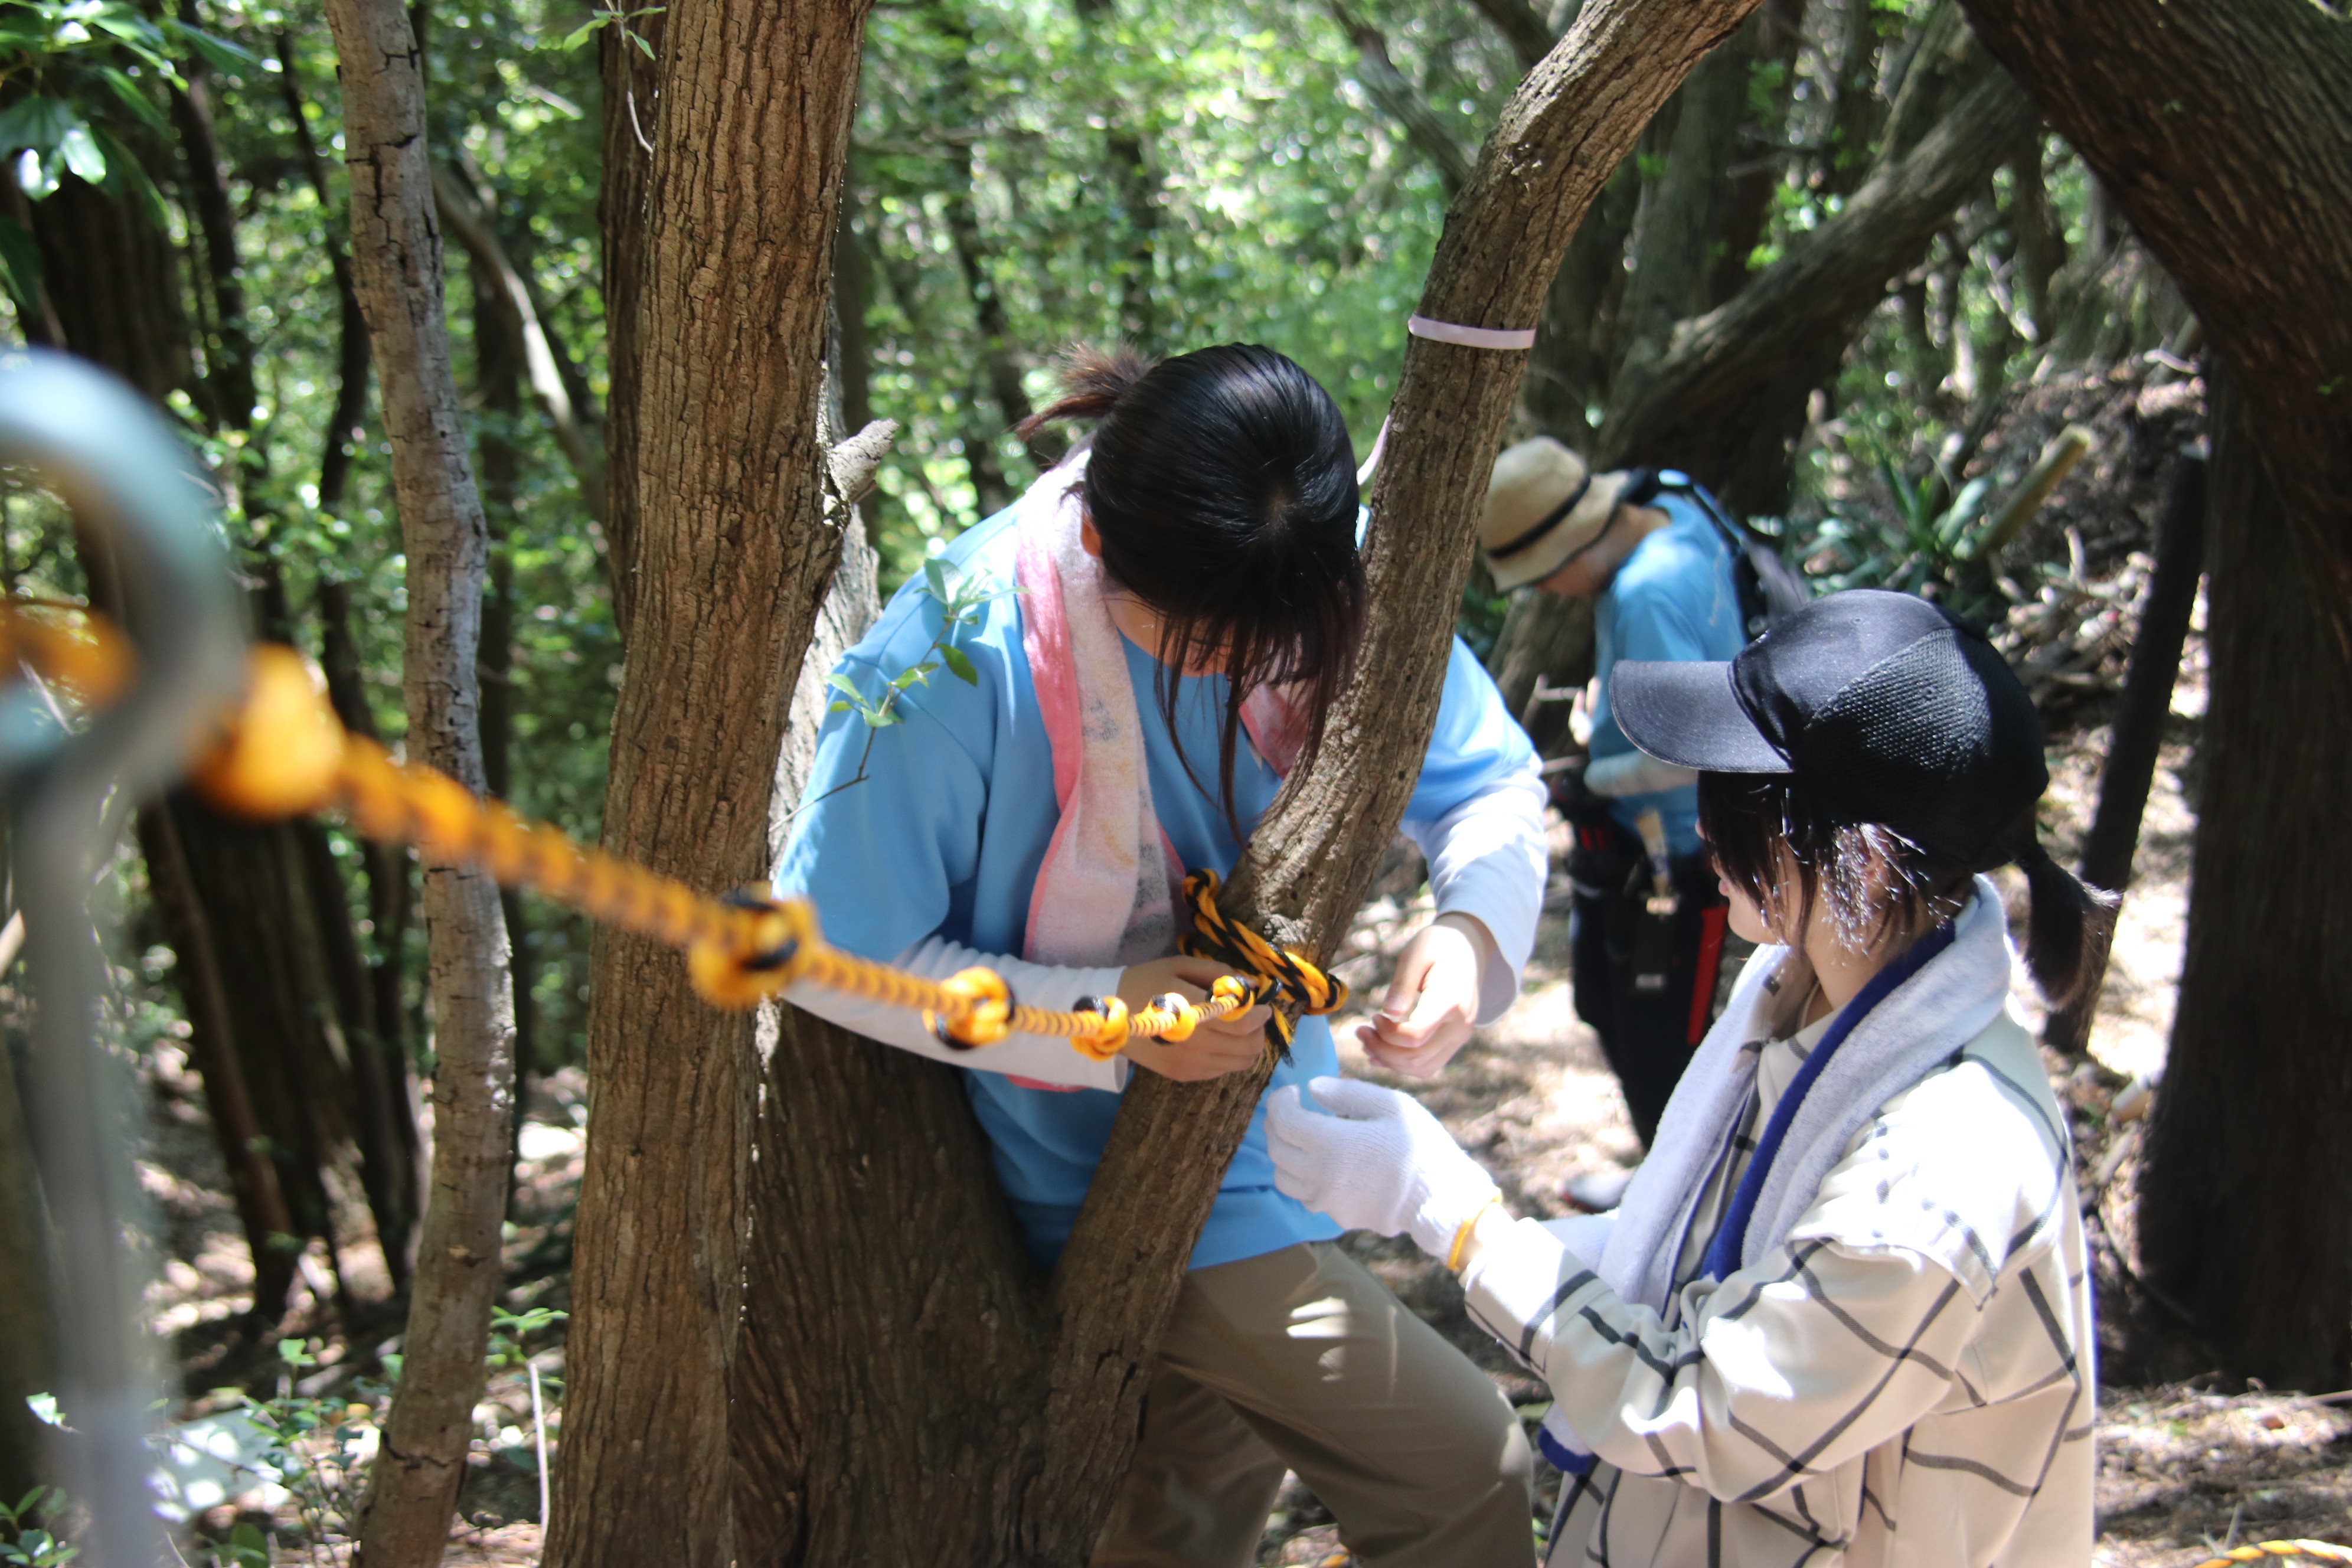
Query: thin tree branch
[(573, 427), (1522, 27), (1401, 102)]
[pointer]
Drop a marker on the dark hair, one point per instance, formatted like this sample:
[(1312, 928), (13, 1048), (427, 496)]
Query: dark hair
[(1875, 882), (1223, 487)]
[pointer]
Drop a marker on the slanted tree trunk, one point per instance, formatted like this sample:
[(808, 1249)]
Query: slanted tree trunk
[(1726, 398), (913, 1400), (1723, 396), (2219, 131), (397, 268), (727, 228)]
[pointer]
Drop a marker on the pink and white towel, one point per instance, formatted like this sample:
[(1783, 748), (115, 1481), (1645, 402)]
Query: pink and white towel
[(1107, 891)]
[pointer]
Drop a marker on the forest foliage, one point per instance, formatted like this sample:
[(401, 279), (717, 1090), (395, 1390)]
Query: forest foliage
[(1023, 174)]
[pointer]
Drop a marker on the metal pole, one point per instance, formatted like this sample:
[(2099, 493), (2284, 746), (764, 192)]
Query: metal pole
[(116, 463)]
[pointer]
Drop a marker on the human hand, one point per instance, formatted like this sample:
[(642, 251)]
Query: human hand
[(1431, 1002), (1217, 1046), (1375, 1159)]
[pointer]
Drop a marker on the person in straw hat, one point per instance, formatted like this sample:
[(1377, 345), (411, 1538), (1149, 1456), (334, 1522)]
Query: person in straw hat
[(1660, 576)]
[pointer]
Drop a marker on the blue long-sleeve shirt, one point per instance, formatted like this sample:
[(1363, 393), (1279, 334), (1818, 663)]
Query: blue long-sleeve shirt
[(945, 835)]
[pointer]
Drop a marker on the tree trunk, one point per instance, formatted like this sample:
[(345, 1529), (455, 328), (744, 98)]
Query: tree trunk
[(244, 898), (397, 267), (501, 294), (631, 97), (388, 904), (2245, 1188), (909, 1400), (343, 433), (116, 284), (501, 329), (1547, 640), (2136, 733), (28, 1352), (1728, 397), (269, 1228), (2219, 131), (723, 487), (228, 372)]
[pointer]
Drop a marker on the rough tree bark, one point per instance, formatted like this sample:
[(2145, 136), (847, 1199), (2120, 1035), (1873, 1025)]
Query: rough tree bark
[(2135, 734), (914, 1400), (1728, 395), (397, 268), (1724, 397), (728, 228), (2219, 129)]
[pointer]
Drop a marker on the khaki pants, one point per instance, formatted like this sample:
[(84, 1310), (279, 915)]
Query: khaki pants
[(1301, 1359)]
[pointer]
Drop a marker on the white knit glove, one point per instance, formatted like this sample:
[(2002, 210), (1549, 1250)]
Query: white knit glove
[(1375, 1159)]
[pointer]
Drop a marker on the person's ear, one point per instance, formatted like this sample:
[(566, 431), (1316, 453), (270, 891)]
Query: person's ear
[(1088, 540)]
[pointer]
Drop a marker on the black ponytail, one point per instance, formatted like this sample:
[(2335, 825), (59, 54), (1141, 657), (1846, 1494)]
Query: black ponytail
[(1092, 381), (1874, 882), (2066, 923)]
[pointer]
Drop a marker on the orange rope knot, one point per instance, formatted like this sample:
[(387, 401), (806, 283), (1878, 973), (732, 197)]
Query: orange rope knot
[(1108, 1034), (976, 1010), (741, 962), (281, 752), (1290, 981), (74, 649)]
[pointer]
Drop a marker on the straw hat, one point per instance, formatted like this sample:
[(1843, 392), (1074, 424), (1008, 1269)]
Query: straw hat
[(1542, 506)]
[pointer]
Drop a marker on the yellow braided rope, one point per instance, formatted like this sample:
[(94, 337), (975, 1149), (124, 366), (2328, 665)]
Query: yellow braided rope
[(2319, 1551), (283, 753)]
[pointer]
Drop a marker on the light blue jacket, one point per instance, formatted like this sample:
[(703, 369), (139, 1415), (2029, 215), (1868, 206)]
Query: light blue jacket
[(945, 835)]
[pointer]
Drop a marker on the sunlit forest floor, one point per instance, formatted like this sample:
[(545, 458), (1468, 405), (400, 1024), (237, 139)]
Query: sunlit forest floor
[(2181, 1466)]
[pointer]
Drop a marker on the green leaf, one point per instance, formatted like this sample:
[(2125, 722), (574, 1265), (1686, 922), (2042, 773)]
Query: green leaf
[(838, 706), (586, 30), (82, 156), (935, 578), (137, 102), (881, 717), (229, 59), (20, 262), (638, 40), (959, 662), (126, 24), (40, 124), (845, 686)]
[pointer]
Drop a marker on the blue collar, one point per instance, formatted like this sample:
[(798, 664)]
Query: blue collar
[(1723, 1254)]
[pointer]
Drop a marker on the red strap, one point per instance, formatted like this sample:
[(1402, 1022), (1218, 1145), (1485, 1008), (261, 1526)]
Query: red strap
[(1710, 959)]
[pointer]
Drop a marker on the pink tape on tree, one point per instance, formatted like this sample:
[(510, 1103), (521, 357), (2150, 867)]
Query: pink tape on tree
[(1503, 338)]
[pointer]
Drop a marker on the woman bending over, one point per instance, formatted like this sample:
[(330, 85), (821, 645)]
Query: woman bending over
[(1190, 602)]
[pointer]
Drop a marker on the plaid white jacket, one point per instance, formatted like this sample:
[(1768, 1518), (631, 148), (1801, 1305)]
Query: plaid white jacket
[(1907, 1382)]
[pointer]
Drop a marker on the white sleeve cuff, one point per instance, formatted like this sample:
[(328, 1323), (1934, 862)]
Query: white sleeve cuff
[(1636, 772), (1489, 857), (1042, 1057)]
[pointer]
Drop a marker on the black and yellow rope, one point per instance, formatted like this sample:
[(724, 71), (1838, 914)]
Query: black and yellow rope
[(2317, 1550), (283, 753)]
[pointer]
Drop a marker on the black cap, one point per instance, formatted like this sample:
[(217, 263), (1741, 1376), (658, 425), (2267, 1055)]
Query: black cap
[(1898, 710)]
